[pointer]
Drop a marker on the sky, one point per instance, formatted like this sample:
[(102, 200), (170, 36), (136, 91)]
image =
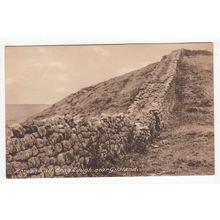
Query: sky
[(46, 74)]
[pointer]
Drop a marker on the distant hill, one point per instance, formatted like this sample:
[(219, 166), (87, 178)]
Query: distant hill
[(16, 113)]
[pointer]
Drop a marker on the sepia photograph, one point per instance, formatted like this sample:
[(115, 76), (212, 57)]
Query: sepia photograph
[(107, 110)]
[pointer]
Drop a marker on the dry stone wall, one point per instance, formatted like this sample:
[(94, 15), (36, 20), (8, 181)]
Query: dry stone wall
[(61, 145), (157, 99), (66, 143)]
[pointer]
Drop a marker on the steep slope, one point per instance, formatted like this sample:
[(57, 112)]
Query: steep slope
[(186, 145), (123, 123), (112, 96)]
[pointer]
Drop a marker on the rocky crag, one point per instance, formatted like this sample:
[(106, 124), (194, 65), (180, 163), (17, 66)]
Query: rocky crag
[(91, 131)]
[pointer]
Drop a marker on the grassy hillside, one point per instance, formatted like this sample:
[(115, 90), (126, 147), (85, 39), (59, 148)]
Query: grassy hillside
[(186, 145), (114, 95)]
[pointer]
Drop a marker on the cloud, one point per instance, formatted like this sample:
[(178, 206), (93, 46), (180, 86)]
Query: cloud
[(37, 64), (64, 77), (61, 89), (53, 64), (57, 64)]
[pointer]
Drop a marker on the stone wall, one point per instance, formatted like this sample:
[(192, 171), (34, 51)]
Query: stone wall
[(58, 146), (66, 143)]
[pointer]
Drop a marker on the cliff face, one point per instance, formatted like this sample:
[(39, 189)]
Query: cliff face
[(99, 126)]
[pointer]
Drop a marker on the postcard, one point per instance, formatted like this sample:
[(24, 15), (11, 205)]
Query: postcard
[(107, 110)]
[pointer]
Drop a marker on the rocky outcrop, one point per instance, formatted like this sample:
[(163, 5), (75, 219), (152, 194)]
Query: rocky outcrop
[(60, 145)]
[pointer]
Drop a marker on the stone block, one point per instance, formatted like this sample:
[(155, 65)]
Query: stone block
[(33, 162), (23, 155), (18, 131)]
